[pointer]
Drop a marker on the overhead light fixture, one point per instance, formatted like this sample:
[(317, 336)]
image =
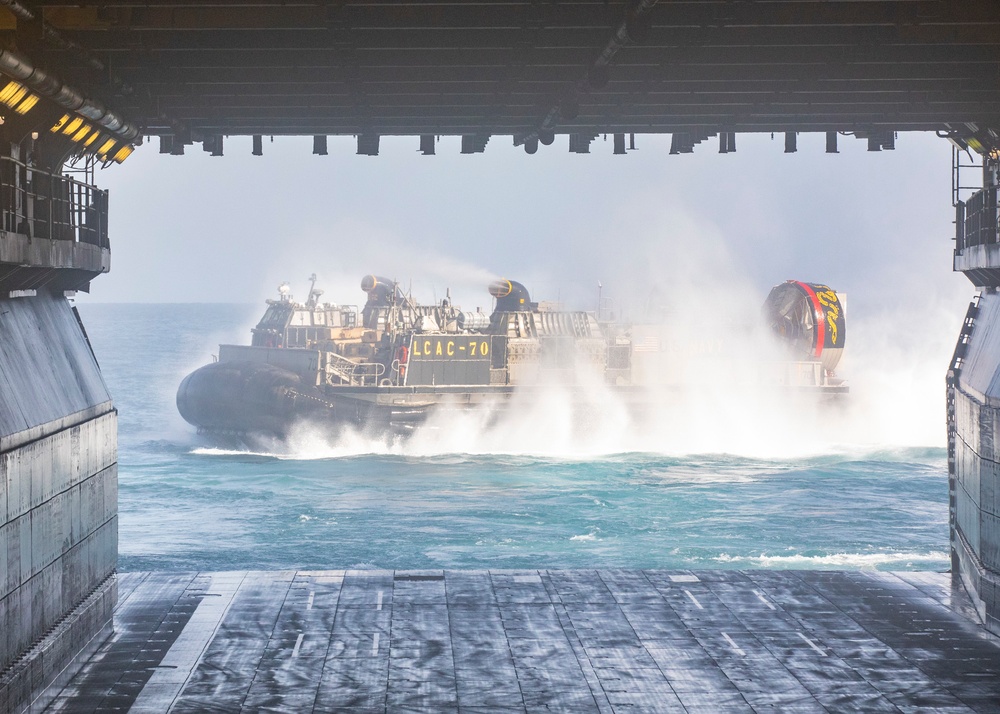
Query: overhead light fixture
[(57, 127), (25, 106), (13, 93), (531, 146), (258, 145), (619, 141), (791, 142), (72, 127), (106, 147), (123, 153), (84, 131), (319, 145), (92, 138), (34, 136), (427, 144)]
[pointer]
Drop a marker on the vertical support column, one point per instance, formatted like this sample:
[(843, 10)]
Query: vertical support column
[(973, 399), (58, 498)]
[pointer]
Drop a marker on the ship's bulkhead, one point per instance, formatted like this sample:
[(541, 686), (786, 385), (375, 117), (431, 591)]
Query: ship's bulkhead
[(445, 359)]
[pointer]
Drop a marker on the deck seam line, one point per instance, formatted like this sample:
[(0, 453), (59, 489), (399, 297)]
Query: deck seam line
[(451, 636), (208, 641), (506, 637), (584, 662), (329, 644), (274, 627), (632, 627)]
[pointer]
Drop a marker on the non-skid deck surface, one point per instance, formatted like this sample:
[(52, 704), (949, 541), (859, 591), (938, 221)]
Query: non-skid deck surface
[(515, 641)]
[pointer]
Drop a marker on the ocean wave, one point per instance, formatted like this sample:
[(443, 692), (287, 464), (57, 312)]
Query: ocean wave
[(860, 561)]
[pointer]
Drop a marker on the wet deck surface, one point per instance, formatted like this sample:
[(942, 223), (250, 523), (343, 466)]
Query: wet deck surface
[(535, 641)]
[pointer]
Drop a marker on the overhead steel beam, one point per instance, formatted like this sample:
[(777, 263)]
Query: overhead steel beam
[(516, 66), (219, 15)]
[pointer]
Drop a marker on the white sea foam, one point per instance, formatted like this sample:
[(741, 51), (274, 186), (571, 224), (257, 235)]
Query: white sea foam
[(714, 408), (862, 561), (213, 451)]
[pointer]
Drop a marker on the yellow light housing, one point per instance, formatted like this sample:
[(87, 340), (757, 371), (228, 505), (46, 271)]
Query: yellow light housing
[(92, 138), (12, 93), (25, 106), (59, 124), (71, 128), (106, 147), (123, 153), (86, 129)]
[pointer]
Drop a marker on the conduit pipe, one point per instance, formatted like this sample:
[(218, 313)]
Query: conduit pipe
[(19, 9), (25, 13), (626, 33), (48, 85)]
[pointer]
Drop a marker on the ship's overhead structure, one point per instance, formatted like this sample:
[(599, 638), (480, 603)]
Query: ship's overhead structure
[(391, 364), (195, 73), (84, 81)]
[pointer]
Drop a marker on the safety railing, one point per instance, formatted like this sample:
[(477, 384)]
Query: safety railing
[(976, 220), (40, 204), (348, 372)]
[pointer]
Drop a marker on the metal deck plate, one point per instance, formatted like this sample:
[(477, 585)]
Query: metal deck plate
[(538, 641)]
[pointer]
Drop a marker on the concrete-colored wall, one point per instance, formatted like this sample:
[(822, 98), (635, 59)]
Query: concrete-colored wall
[(58, 497)]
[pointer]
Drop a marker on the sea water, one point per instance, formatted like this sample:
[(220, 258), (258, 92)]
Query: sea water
[(346, 500)]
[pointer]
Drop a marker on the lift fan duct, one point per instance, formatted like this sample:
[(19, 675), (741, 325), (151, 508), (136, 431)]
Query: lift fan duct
[(810, 319)]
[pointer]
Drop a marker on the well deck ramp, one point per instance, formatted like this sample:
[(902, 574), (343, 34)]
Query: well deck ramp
[(540, 640)]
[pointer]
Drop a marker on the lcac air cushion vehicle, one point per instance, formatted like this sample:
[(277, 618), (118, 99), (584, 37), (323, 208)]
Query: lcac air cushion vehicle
[(392, 363)]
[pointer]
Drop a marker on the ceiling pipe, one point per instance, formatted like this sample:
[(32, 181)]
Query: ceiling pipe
[(19, 9), (55, 38), (628, 32), (23, 12), (48, 85)]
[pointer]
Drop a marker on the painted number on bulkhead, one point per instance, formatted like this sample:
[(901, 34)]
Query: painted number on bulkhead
[(438, 347)]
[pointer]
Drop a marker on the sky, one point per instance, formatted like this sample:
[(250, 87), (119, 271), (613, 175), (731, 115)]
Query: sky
[(197, 228)]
